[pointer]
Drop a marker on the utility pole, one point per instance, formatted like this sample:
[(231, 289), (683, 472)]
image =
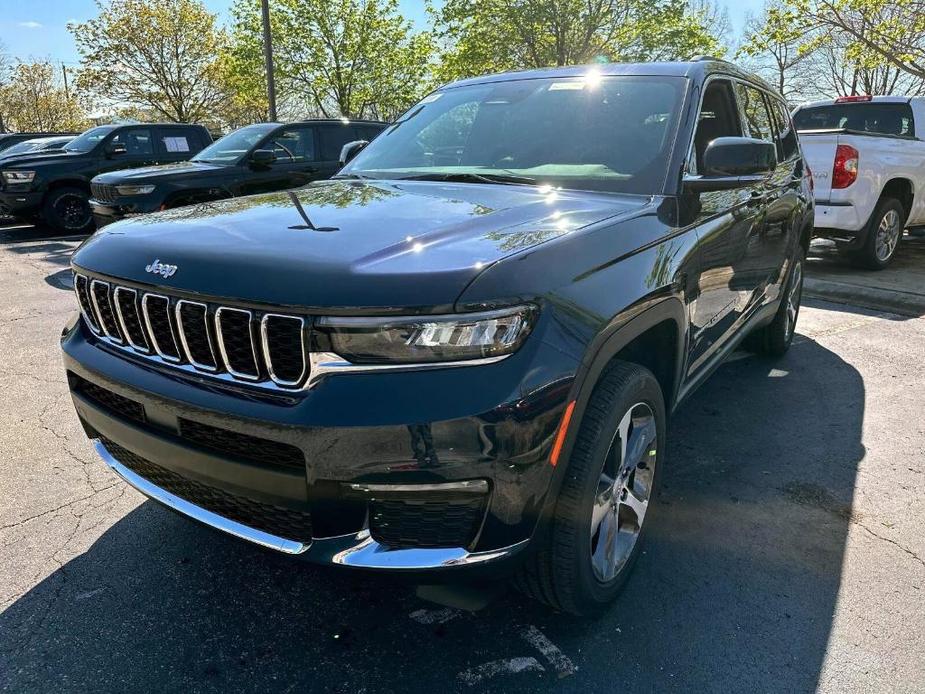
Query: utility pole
[(67, 94), (268, 57)]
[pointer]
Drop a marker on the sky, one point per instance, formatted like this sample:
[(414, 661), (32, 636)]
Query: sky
[(38, 29)]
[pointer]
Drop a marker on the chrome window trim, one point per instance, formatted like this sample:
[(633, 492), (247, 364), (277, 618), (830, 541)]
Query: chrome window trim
[(205, 325), (125, 331), (96, 306), (91, 320), (221, 343), (144, 309), (268, 358)]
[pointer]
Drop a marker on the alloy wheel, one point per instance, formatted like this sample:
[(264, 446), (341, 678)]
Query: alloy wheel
[(888, 234), (623, 492), (73, 211)]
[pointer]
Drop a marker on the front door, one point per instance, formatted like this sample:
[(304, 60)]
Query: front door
[(139, 150), (295, 163)]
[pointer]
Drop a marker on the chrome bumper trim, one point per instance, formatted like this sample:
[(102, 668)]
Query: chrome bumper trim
[(196, 512)]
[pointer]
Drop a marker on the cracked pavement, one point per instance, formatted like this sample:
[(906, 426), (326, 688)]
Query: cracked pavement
[(785, 552)]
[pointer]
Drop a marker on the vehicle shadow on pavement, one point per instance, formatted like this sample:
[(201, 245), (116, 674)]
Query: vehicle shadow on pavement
[(736, 589)]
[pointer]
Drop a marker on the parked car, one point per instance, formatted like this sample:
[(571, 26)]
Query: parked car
[(461, 352), (56, 185), (39, 144), (9, 139), (254, 159), (866, 159)]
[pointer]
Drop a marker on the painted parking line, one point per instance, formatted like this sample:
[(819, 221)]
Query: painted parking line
[(508, 666), (559, 661)]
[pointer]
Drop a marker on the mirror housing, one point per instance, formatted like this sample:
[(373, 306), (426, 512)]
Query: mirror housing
[(350, 150), (262, 158), (733, 162), (116, 148)]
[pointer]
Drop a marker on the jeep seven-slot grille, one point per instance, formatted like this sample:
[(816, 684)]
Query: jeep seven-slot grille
[(287, 523), (103, 192), (243, 345)]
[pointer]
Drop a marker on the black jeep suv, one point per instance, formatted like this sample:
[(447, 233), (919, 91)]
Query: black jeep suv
[(56, 185), (255, 159), (462, 351)]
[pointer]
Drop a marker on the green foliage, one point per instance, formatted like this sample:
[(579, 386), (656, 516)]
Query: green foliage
[(32, 99), (481, 36), (159, 54), (355, 58)]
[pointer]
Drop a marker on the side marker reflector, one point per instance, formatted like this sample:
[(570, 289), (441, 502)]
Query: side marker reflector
[(560, 435)]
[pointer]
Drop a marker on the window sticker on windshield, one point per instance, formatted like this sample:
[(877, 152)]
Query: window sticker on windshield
[(430, 98), (176, 144), (571, 84)]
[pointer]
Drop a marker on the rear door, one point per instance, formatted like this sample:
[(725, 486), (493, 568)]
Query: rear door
[(331, 139), (177, 144)]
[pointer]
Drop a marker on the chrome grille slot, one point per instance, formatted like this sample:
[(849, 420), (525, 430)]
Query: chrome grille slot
[(234, 327), (193, 325), (82, 289), (99, 293), (126, 301), (156, 309), (283, 342), (103, 192)]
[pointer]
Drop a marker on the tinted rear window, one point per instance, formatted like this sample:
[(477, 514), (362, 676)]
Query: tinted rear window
[(871, 117)]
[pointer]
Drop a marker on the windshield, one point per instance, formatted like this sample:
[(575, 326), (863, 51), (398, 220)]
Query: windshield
[(592, 132), (89, 140), (870, 117), (20, 147), (230, 149)]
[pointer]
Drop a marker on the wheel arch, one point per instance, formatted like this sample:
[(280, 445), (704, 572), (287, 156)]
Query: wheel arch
[(903, 190), (59, 183)]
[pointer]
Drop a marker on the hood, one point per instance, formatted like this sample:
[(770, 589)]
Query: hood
[(33, 159), (153, 174), (376, 245)]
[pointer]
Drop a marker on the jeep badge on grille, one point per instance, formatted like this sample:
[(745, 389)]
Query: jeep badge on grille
[(159, 268)]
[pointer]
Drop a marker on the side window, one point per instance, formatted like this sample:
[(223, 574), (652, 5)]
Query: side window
[(755, 111), (367, 132), (138, 142), (176, 141), (333, 138), (718, 117), (787, 145), (293, 145)]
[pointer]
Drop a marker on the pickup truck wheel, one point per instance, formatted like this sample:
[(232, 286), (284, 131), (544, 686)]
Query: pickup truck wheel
[(884, 232), (599, 519), (68, 209), (775, 338)]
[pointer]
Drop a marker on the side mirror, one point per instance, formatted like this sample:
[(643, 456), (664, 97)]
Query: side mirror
[(116, 148), (262, 157), (733, 162), (350, 150)]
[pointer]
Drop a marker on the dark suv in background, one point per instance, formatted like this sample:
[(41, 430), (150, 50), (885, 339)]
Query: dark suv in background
[(56, 186), (254, 159), (463, 350), (9, 139)]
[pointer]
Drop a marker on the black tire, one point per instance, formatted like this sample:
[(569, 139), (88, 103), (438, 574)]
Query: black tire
[(561, 573), (871, 255), (68, 209), (774, 339)]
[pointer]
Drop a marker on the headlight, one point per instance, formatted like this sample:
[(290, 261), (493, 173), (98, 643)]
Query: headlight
[(425, 339), (18, 176), (134, 190)]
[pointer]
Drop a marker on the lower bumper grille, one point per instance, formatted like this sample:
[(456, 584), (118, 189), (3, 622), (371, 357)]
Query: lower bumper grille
[(112, 402), (276, 520), (426, 523)]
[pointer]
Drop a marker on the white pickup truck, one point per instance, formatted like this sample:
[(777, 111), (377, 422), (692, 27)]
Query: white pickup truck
[(868, 167)]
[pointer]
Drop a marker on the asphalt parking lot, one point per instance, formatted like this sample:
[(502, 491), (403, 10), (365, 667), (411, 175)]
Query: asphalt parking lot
[(787, 551)]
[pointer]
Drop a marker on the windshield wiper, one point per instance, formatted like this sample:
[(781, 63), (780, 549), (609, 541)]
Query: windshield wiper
[(471, 176)]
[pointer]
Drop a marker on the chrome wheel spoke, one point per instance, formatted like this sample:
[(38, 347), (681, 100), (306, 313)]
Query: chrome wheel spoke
[(604, 559), (635, 505)]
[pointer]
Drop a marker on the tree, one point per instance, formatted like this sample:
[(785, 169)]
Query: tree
[(34, 101), (6, 71), (157, 54), (482, 36), (354, 58)]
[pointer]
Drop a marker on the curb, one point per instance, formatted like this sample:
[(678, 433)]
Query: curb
[(903, 303)]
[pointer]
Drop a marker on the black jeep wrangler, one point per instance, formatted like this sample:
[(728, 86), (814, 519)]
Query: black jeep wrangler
[(460, 353), (254, 159), (56, 186)]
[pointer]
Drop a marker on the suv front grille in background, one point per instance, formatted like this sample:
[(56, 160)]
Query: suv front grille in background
[(283, 522), (242, 345), (103, 192)]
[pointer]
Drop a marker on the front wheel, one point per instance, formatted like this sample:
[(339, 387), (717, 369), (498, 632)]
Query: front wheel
[(606, 498), (68, 209)]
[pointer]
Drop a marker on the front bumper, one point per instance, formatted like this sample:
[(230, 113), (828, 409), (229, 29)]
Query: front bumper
[(24, 204), (421, 435)]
